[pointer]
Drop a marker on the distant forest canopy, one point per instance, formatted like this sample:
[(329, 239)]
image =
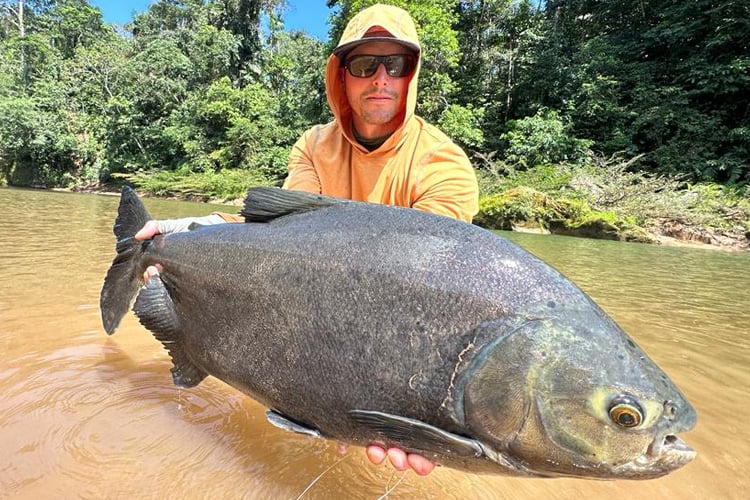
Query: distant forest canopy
[(221, 87)]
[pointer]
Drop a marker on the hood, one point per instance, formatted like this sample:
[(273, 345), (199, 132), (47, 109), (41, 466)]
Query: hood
[(393, 20)]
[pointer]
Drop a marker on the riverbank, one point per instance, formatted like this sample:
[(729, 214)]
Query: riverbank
[(608, 201), (524, 209), (671, 234)]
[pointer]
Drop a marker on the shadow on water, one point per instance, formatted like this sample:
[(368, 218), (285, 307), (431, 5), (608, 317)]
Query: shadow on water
[(86, 415)]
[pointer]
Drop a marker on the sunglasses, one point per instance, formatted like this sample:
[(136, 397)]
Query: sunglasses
[(396, 65)]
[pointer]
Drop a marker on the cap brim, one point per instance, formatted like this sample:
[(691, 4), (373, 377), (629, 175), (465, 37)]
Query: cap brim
[(343, 50)]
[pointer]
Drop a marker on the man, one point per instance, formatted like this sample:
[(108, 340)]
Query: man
[(376, 149)]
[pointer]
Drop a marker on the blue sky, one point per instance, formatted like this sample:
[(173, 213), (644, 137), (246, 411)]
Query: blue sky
[(307, 15)]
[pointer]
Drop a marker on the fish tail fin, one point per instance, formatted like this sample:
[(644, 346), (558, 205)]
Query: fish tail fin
[(152, 303), (124, 275)]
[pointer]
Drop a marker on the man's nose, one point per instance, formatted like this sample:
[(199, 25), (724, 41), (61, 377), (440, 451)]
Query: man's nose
[(381, 76)]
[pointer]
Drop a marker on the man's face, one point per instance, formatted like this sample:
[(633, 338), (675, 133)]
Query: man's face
[(377, 101)]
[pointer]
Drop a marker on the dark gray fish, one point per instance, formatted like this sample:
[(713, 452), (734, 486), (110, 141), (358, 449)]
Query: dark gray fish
[(368, 323)]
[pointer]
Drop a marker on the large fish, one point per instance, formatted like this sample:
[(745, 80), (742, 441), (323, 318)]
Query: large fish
[(368, 323)]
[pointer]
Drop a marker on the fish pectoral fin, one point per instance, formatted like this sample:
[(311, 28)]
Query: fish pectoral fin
[(416, 435), (286, 423), (263, 204), (156, 312)]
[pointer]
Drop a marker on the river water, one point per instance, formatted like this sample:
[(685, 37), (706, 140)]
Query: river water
[(83, 415)]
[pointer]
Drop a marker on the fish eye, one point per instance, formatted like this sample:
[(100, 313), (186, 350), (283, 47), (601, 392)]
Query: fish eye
[(625, 411)]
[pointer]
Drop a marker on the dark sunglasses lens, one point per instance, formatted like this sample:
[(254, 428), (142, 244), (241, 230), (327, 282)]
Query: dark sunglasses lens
[(397, 65), (362, 66)]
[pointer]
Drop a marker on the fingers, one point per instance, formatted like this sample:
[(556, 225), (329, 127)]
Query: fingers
[(400, 460), (341, 448), (375, 454), (420, 464), (149, 230), (151, 271)]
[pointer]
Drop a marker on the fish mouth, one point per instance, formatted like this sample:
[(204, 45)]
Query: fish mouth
[(664, 455), (671, 447)]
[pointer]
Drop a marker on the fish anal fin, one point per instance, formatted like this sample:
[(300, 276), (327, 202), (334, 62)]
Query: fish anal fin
[(283, 422), (155, 310), (415, 435)]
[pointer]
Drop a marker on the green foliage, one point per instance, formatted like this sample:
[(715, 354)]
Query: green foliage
[(220, 186), (17, 117), (716, 206), (541, 139), (525, 207), (225, 127), (519, 205), (610, 184), (552, 179), (40, 144), (71, 24), (665, 79), (294, 69), (498, 40), (462, 123), (608, 199)]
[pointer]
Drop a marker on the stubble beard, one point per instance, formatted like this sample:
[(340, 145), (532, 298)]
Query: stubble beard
[(378, 117), (375, 115)]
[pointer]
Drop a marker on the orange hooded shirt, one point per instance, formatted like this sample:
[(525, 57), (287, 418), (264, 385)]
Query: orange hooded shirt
[(418, 166)]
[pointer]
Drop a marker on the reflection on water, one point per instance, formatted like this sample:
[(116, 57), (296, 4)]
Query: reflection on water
[(86, 415)]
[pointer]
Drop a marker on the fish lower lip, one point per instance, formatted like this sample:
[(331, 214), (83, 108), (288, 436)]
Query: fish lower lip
[(677, 444)]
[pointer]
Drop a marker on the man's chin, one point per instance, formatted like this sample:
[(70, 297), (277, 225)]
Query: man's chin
[(378, 117)]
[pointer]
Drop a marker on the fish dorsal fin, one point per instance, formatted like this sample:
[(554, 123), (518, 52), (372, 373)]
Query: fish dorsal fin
[(264, 204), (416, 435), (155, 310)]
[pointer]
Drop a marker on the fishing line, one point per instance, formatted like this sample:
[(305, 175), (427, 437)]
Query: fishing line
[(321, 475), (390, 489)]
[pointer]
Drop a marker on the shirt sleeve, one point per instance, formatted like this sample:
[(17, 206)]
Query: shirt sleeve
[(302, 174), (230, 217), (447, 184)]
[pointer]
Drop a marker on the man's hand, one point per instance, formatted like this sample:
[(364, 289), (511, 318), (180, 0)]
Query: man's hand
[(149, 230), (400, 460)]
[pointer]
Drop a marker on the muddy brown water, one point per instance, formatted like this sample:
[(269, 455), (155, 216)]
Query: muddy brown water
[(83, 415)]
